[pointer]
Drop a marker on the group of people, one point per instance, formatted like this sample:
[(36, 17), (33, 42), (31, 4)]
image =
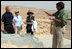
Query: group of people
[(13, 24), (60, 21)]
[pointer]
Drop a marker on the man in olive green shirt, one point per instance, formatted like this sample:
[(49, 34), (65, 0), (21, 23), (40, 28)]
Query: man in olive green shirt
[(60, 21)]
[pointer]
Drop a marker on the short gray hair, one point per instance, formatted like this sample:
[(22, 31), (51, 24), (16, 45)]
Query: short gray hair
[(6, 8)]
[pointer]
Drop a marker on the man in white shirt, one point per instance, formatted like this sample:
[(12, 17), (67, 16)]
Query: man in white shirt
[(18, 22)]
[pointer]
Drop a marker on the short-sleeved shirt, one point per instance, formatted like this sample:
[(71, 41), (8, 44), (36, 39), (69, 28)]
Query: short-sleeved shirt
[(7, 18), (62, 15), (29, 20), (18, 20)]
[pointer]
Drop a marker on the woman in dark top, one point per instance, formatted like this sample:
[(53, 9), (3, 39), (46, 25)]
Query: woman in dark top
[(29, 22)]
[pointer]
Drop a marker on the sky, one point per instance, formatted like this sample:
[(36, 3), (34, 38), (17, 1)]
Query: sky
[(50, 5)]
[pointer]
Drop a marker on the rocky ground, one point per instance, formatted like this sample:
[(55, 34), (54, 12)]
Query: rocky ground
[(28, 41)]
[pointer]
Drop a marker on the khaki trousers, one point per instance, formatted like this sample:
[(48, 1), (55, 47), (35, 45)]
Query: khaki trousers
[(58, 37), (18, 29)]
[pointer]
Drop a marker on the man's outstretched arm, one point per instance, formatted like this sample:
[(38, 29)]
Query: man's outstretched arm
[(48, 13), (56, 20)]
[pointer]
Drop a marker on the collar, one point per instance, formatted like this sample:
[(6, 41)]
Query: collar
[(61, 10), (17, 16)]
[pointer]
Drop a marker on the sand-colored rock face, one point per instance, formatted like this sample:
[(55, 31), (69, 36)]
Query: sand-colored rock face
[(41, 17)]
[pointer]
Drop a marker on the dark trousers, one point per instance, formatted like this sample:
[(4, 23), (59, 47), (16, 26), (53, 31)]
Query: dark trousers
[(28, 29), (9, 28)]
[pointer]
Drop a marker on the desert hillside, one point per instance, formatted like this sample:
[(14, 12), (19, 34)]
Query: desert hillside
[(41, 17), (42, 38)]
